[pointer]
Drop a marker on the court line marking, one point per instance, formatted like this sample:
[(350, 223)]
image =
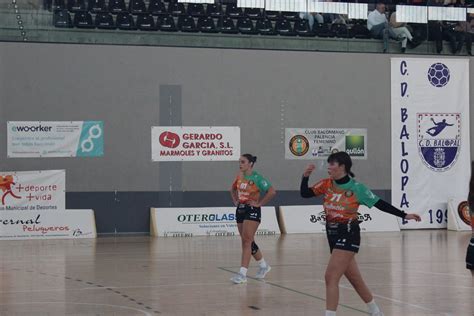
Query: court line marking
[(416, 272), (295, 291), (115, 287), (390, 299), (89, 304), (352, 289), (394, 284), (210, 284)]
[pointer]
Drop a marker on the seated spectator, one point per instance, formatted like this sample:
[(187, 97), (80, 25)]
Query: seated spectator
[(469, 33), (378, 25), (341, 19), (456, 34), (467, 27), (443, 30), (311, 17), (401, 30)]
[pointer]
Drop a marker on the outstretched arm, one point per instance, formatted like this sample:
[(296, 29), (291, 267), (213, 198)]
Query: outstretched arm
[(389, 208)]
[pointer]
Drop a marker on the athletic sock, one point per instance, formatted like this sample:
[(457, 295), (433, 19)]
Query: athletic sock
[(373, 307), (243, 271), (262, 263)]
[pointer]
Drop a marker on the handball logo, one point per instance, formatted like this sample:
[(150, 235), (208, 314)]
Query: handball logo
[(463, 212), (299, 145), (439, 139), (169, 139), (438, 75)]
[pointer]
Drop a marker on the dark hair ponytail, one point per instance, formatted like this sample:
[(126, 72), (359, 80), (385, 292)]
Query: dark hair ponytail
[(342, 158), (251, 158)]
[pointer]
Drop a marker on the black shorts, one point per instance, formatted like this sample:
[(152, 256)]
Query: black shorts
[(470, 255), (343, 236), (246, 212)]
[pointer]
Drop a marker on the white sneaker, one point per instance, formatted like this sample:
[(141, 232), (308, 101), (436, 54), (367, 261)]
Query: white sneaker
[(239, 279), (377, 314), (262, 272)]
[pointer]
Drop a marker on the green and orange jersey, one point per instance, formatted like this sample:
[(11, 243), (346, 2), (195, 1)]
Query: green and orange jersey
[(341, 201), (249, 187)]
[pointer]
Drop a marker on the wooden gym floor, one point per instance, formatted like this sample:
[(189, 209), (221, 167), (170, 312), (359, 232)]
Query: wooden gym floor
[(410, 273)]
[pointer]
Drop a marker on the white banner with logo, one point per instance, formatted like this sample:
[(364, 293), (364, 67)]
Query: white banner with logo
[(55, 139), (307, 219), (459, 218), (198, 143), (210, 221), (430, 136), (33, 190), (69, 224), (319, 143)]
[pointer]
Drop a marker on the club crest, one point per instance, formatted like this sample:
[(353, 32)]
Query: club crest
[(439, 139)]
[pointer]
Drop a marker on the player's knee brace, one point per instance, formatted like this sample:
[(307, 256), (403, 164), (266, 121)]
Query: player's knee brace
[(254, 248)]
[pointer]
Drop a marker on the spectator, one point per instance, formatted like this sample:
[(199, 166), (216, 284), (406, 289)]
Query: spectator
[(443, 30), (402, 32), (468, 28), (455, 34), (378, 25), (311, 17)]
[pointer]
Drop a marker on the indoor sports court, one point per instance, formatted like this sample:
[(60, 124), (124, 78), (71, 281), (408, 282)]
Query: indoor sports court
[(236, 157), (190, 276)]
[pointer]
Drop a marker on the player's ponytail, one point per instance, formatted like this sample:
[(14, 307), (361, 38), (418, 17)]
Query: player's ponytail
[(342, 158), (251, 158)]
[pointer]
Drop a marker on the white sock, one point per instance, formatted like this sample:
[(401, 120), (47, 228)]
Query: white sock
[(243, 271), (373, 307), (262, 263), (330, 313)]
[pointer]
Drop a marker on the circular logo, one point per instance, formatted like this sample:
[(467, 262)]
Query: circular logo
[(169, 139), (349, 193), (463, 211), (438, 75), (299, 145), (334, 150)]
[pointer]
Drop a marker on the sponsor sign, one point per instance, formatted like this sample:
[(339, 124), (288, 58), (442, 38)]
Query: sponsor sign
[(174, 143), (430, 137), (304, 219), (55, 139), (69, 224), (319, 143), (459, 218), (33, 190), (211, 221)]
